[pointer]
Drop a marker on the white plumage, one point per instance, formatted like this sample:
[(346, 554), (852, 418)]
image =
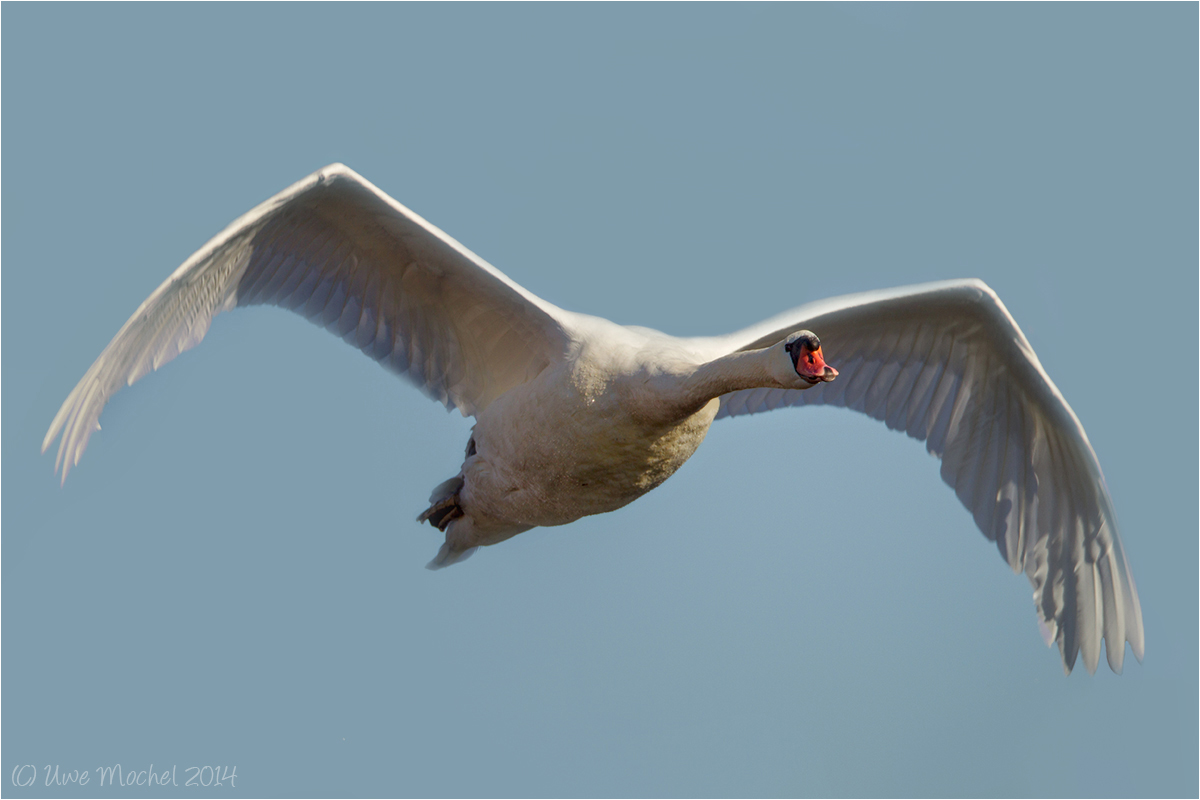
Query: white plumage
[(577, 415)]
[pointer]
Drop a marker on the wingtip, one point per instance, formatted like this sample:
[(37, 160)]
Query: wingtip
[(53, 431), (1116, 657), (1045, 631)]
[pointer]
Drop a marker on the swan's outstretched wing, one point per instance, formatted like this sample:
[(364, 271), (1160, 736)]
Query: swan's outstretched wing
[(342, 253), (945, 363)]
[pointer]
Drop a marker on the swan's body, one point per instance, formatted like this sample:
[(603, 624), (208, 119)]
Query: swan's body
[(586, 436), (576, 415)]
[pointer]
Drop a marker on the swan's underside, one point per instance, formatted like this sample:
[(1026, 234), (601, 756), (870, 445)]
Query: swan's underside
[(944, 362)]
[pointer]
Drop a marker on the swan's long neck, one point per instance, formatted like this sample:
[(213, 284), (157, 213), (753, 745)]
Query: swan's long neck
[(742, 370)]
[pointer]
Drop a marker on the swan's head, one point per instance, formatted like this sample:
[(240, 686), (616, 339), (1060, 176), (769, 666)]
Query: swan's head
[(804, 349)]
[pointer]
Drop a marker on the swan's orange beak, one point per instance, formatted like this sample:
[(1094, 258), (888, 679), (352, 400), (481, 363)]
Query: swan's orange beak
[(812, 367)]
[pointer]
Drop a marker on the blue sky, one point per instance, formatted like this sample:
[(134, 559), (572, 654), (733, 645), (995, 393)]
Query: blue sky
[(233, 576)]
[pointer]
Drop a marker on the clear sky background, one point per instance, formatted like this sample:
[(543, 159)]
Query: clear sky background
[(233, 575)]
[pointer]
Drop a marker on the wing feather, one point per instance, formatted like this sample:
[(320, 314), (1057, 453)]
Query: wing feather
[(338, 251), (947, 364), (902, 387)]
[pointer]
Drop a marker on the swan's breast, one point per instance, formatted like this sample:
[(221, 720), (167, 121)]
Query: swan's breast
[(583, 438)]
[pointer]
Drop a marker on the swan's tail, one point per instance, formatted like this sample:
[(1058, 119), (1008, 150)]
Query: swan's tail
[(444, 509), (447, 556), (446, 513)]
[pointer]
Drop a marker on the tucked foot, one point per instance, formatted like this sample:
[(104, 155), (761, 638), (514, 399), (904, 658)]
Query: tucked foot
[(442, 513)]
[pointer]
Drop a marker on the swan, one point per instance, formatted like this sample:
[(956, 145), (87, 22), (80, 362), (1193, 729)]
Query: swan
[(576, 415)]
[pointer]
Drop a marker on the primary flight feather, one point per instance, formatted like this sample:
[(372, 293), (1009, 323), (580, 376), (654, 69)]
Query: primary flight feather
[(576, 415)]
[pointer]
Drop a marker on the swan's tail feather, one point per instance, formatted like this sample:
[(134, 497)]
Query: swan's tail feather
[(447, 556)]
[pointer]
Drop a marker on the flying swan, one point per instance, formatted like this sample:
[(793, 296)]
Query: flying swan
[(576, 415)]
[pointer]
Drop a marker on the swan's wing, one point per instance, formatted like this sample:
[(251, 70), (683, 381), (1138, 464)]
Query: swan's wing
[(339, 251), (945, 363)]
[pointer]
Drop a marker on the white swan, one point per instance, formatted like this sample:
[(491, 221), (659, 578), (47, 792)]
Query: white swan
[(577, 415)]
